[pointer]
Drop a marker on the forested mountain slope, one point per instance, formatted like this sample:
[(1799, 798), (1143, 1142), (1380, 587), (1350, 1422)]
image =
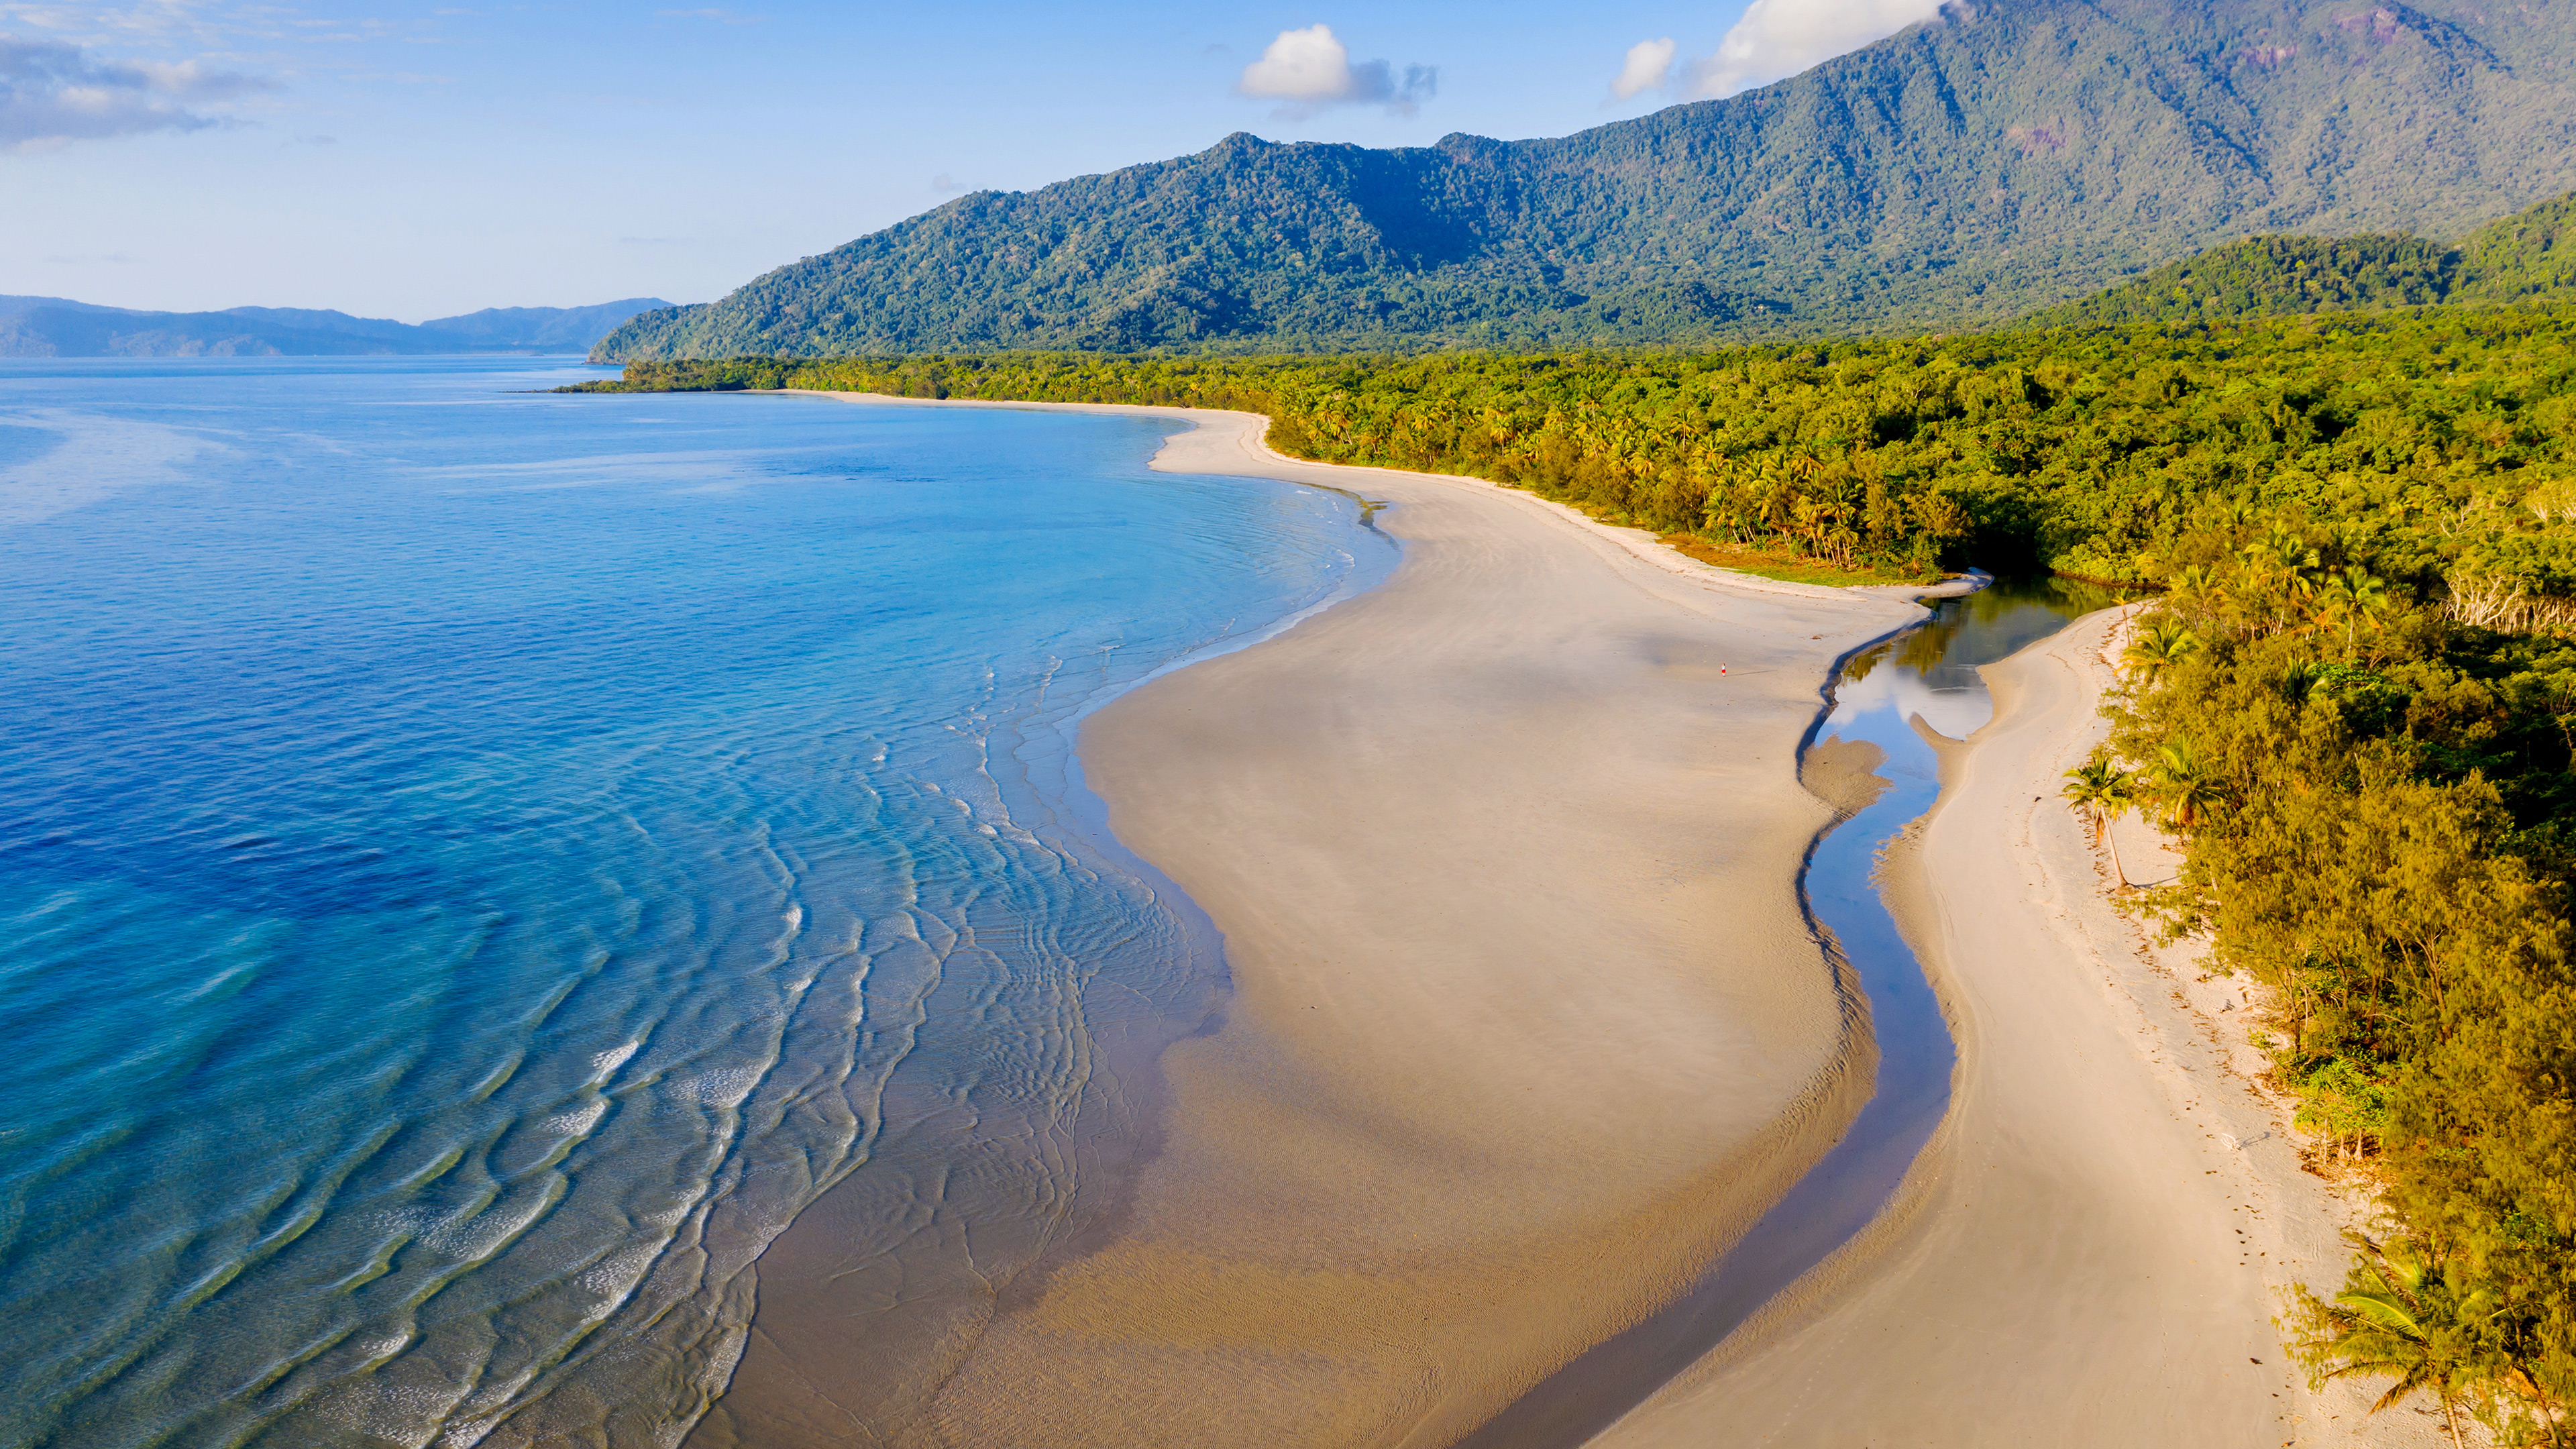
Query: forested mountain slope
[(2526, 257), (2011, 155), (2523, 257)]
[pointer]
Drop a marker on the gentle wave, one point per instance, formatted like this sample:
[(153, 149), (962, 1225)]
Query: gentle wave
[(448, 928)]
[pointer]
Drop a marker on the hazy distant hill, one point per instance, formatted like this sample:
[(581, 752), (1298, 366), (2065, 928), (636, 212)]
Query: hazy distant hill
[(2014, 154), (54, 327), (553, 329), (2523, 257)]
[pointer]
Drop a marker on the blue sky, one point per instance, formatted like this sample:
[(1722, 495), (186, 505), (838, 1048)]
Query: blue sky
[(419, 160)]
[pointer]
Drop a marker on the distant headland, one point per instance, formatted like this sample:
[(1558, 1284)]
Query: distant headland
[(58, 327)]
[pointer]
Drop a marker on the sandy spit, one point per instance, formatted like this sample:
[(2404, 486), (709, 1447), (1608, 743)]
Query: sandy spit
[(2093, 1248), (1527, 1026)]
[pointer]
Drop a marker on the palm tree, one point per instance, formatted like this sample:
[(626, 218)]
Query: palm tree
[(2104, 792), (1807, 516), (2163, 642), (2402, 1314), (2288, 556), (1731, 510), (2299, 677), (2184, 782), (2354, 597), (2284, 552), (2197, 586), (1774, 499)]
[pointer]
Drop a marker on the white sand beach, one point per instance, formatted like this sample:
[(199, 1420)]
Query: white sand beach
[(2091, 1250), (1529, 1026), (1527, 1021)]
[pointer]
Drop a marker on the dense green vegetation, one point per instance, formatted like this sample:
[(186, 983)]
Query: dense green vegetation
[(2354, 703), (2523, 257), (2441, 440), (2275, 274), (2011, 155), (2527, 257), (2379, 824)]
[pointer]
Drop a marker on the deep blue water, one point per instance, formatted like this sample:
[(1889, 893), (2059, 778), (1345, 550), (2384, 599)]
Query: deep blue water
[(473, 864)]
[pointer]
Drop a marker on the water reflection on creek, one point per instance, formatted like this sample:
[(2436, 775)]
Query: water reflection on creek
[(1929, 673)]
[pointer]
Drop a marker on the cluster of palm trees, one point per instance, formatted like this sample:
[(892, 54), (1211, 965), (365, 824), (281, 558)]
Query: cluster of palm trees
[(2420, 1316), (2179, 785), (2282, 585), (2177, 788), (1839, 510)]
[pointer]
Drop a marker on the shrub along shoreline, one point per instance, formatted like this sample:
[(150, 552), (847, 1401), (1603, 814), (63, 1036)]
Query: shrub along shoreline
[(2378, 823), (2354, 703)]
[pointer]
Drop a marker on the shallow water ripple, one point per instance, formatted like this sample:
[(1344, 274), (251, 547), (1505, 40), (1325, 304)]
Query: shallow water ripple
[(474, 865)]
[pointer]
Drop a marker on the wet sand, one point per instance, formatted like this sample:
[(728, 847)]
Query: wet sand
[(1527, 1024), (2089, 1250)]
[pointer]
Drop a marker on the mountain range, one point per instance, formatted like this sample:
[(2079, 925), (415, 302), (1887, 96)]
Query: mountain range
[(2008, 156), (56, 327)]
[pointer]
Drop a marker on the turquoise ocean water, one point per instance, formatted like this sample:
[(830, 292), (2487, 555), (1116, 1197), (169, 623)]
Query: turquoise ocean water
[(474, 864)]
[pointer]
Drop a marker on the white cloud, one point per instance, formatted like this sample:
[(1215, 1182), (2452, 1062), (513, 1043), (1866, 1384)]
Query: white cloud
[(1310, 69), (52, 92), (1649, 68), (1777, 38), (1302, 65)]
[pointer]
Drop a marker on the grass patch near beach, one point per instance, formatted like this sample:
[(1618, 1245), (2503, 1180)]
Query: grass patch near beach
[(1783, 567)]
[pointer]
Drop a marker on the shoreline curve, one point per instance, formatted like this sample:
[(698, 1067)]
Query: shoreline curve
[(2089, 1247), (1527, 1025)]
